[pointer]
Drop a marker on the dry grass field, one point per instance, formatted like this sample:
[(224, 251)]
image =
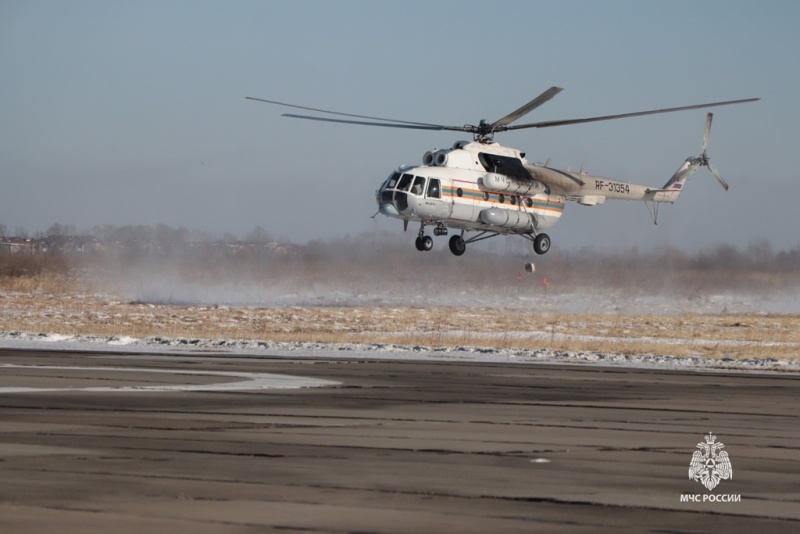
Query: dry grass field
[(336, 302)]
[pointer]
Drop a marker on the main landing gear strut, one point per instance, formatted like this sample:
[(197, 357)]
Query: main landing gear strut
[(541, 242), (458, 245)]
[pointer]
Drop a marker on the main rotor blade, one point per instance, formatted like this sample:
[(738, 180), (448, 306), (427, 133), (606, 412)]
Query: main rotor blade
[(404, 124), (336, 113), (713, 170), (527, 108), (547, 124), (707, 132)]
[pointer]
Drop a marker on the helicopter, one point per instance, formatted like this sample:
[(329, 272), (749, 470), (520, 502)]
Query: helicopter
[(484, 187)]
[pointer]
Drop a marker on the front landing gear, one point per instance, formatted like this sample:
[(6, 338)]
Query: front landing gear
[(541, 243), (424, 243)]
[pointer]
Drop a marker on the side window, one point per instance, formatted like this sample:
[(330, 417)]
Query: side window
[(434, 189), (419, 185)]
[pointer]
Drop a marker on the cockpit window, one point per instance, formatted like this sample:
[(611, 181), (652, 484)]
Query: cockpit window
[(392, 181), (434, 189), (419, 185), (405, 182)]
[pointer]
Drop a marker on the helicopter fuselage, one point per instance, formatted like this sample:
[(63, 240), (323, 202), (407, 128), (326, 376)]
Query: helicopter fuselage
[(492, 188)]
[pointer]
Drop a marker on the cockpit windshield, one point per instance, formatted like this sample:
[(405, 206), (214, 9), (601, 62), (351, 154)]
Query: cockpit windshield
[(405, 182), (411, 183), (391, 181)]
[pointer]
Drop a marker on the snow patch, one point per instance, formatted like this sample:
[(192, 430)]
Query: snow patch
[(387, 351), (252, 381)]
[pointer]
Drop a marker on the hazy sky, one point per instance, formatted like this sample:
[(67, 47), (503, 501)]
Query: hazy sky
[(118, 112)]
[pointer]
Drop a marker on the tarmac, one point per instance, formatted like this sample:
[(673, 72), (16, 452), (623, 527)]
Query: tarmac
[(223, 443)]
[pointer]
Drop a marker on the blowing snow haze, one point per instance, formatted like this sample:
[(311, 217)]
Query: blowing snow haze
[(163, 266), (134, 113)]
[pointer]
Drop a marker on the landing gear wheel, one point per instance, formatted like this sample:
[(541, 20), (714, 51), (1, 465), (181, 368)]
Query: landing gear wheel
[(418, 244), (541, 243), (457, 245), (427, 243)]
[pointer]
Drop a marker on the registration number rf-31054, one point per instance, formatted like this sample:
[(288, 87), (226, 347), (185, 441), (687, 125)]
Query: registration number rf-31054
[(612, 187)]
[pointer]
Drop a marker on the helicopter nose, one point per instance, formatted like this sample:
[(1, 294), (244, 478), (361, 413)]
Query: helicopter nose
[(388, 208), (392, 203), (386, 203)]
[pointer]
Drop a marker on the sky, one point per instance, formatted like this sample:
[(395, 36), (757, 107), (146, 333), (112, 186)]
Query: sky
[(134, 113)]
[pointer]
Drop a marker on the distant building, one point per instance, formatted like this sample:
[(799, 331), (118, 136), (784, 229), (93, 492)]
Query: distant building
[(15, 246)]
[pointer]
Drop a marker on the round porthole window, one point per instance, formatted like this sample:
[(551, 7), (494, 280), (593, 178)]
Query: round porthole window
[(502, 198), (459, 192), (529, 202)]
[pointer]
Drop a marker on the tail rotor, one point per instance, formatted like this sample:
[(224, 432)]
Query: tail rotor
[(703, 159)]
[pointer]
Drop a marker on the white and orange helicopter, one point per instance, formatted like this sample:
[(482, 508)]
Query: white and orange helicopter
[(484, 187)]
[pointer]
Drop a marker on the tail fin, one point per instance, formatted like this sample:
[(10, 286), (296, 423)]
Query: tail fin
[(676, 183)]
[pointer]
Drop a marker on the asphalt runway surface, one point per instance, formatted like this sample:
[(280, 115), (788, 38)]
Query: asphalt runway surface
[(390, 446)]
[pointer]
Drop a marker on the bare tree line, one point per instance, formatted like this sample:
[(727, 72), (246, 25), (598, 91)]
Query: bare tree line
[(125, 233), (394, 251)]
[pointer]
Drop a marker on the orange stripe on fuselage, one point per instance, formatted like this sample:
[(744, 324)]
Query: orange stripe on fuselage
[(494, 198)]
